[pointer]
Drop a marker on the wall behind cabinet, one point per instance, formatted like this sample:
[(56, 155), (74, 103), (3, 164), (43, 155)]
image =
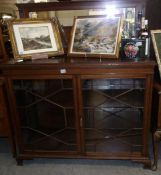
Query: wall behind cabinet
[(153, 13)]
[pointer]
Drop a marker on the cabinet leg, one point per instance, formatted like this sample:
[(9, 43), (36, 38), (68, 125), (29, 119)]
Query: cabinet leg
[(147, 165), (19, 162), (13, 146), (156, 140)]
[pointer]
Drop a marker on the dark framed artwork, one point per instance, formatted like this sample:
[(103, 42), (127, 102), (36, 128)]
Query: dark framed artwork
[(156, 39)]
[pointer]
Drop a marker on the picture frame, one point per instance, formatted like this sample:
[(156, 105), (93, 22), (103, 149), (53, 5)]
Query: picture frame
[(35, 36), (156, 40), (96, 36)]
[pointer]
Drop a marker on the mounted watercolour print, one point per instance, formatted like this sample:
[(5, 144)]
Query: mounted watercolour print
[(35, 36), (156, 39), (96, 36)]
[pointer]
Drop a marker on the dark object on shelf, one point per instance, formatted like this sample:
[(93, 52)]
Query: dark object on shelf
[(133, 49), (5, 41), (62, 34), (3, 53)]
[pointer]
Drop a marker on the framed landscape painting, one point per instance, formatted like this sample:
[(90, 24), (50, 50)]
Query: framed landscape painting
[(35, 36), (96, 36), (156, 39)]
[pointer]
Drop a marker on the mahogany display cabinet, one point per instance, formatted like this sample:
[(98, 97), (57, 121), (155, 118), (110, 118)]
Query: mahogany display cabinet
[(80, 108)]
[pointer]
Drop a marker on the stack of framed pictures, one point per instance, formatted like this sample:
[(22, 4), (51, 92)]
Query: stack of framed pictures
[(92, 36)]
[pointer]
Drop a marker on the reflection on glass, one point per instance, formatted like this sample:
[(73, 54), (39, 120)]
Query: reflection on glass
[(128, 15), (66, 17), (129, 22)]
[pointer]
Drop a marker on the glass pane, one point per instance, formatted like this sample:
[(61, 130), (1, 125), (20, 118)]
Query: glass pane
[(46, 111), (113, 114)]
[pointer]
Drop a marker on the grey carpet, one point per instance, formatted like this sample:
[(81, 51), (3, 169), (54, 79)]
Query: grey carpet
[(45, 166)]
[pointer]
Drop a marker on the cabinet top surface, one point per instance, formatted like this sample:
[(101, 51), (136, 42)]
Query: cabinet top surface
[(78, 62)]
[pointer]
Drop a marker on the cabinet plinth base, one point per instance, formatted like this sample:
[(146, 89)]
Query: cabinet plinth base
[(144, 160)]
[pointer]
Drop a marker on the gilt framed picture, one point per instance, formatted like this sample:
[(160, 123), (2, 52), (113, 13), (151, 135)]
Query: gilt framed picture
[(35, 36), (156, 39), (96, 36)]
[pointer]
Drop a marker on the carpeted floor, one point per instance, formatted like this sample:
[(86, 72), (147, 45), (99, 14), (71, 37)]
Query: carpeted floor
[(8, 166)]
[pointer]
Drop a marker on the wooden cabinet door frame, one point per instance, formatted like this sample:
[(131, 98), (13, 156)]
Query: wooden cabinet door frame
[(146, 116), (21, 152)]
